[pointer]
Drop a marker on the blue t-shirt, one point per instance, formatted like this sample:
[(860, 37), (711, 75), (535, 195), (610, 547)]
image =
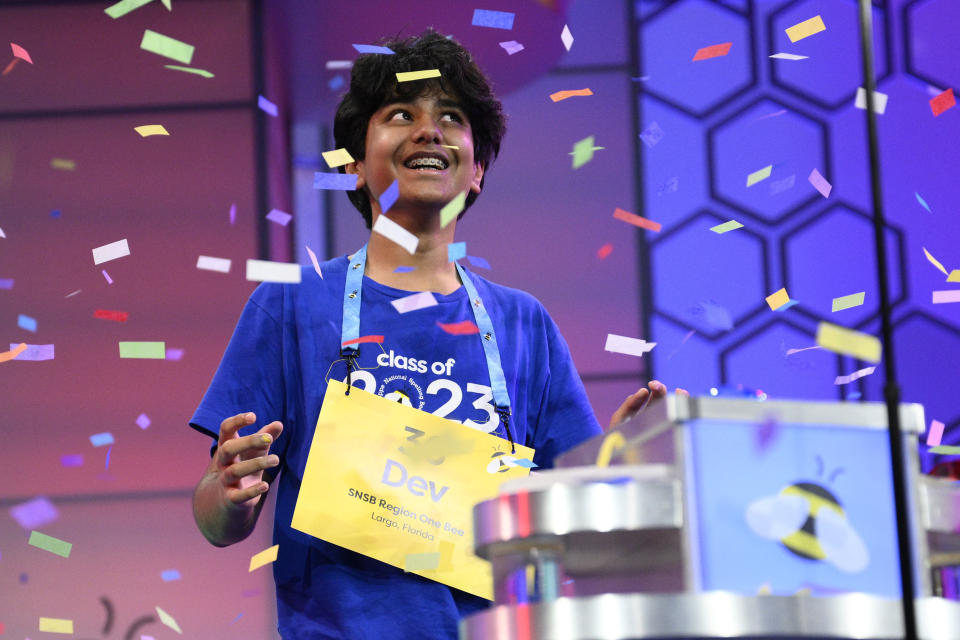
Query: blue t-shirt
[(284, 346)]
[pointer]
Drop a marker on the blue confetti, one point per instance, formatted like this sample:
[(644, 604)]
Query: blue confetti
[(106, 465), (55, 213), (478, 262), (335, 181), (493, 19), (403, 269), (336, 82), (372, 48), (170, 574), (456, 250), (239, 615), (526, 464), (101, 439), (389, 197), (6, 283), (266, 106), (923, 203), (786, 306), (26, 322)]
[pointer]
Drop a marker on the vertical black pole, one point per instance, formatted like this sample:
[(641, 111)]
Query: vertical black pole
[(891, 390)]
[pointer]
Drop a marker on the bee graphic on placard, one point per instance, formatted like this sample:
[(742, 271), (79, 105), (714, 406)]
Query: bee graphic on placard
[(809, 521), (134, 627)]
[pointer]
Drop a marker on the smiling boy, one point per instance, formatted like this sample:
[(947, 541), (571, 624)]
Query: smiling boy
[(437, 139)]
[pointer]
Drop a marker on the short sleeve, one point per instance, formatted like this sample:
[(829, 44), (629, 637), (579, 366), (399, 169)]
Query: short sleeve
[(565, 418), (250, 376)]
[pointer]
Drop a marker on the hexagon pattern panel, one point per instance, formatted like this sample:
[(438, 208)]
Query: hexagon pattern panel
[(730, 132)]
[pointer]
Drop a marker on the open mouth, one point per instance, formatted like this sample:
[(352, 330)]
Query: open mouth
[(426, 162)]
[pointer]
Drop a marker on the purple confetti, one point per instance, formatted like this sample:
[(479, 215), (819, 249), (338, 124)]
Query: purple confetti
[(820, 183), (239, 615), (143, 421), (174, 354), (478, 262), (280, 217), (652, 135), (493, 19), (73, 460), (6, 283), (106, 464), (372, 48), (267, 106), (403, 269), (233, 213), (35, 513), (250, 593), (335, 181), (389, 197), (779, 186), (512, 47), (107, 276), (34, 352)]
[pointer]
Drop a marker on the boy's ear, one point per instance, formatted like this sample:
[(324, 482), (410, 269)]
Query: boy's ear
[(356, 167), (477, 177)]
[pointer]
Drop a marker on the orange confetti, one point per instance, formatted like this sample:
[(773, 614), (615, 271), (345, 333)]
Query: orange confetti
[(635, 220), (364, 339), (569, 93), (605, 251), (13, 353), (942, 102), (713, 51), (10, 66), (464, 328)]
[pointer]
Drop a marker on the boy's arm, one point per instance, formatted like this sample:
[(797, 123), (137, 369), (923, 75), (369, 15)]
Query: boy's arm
[(229, 497)]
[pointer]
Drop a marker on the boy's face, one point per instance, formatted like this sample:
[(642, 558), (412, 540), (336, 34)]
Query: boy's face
[(409, 141)]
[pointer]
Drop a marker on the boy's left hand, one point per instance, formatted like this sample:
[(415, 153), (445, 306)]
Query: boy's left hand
[(636, 402)]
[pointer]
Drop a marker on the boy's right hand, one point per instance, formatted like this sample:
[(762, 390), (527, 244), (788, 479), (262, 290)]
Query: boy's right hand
[(240, 461)]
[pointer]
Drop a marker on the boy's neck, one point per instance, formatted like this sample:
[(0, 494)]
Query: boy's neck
[(432, 271)]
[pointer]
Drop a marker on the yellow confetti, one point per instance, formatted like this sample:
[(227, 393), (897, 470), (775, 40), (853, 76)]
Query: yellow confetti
[(611, 444), (806, 28), (848, 342), (56, 625), (264, 557), (408, 76), (935, 262), (337, 157), (63, 164), (954, 276), (168, 620), (726, 226), (778, 298), (151, 130), (848, 302), (758, 176)]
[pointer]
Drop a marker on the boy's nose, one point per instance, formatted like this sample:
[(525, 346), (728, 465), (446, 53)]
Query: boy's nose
[(427, 131)]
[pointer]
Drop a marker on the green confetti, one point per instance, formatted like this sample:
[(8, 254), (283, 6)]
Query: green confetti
[(848, 302), (946, 450), (199, 72), (726, 226), (758, 176), (452, 209), (166, 46), (153, 350), (124, 7), (583, 152), (51, 544)]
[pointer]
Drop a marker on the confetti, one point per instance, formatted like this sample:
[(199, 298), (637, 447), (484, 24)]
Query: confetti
[(27, 323), (786, 306), (713, 51), (413, 302), (151, 130), (512, 47), (452, 209), (124, 7), (945, 450), (63, 164), (604, 251), (170, 575), (856, 375), (372, 48), (313, 259), (456, 250), (335, 181), (820, 183), (166, 46), (264, 557), (20, 52), (148, 350), (410, 76), (56, 625), (111, 251), (635, 220), (106, 464), (779, 186), (396, 233), (652, 135), (266, 106), (805, 29), (55, 546), (337, 157), (954, 276), (193, 70), (268, 271), (492, 19), (389, 197), (403, 269), (788, 56), (935, 434), (464, 328), (280, 217), (168, 620), (6, 283), (583, 152), (35, 513), (174, 354), (428, 561), (209, 263), (777, 299), (338, 64), (716, 316), (941, 297), (793, 351), (848, 342), (364, 340), (569, 93), (34, 352), (566, 37), (233, 213), (478, 262), (923, 203), (759, 175), (143, 421), (70, 295), (101, 439), (935, 262), (726, 226), (72, 460), (942, 102), (106, 276), (627, 346), (879, 100), (848, 302), (116, 316)]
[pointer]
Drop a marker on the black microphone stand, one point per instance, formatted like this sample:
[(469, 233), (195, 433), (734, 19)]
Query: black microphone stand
[(891, 390)]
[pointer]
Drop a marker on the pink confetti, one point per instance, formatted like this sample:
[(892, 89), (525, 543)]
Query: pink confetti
[(935, 434), (107, 276), (790, 352), (173, 354), (280, 217), (856, 375), (820, 183), (143, 421), (20, 52), (940, 297), (35, 513), (313, 259)]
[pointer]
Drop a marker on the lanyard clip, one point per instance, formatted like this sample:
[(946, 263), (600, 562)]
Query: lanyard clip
[(350, 355), (504, 413)]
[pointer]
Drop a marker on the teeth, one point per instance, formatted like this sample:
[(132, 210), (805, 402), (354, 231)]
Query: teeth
[(426, 163)]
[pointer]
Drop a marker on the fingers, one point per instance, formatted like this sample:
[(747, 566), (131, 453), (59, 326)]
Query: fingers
[(230, 426), (682, 392), (239, 470), (251, 446), (657, 388), (274, 429), (239, 496)]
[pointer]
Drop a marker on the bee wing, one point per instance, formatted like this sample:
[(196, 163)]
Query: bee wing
[(844, 548), (778, 516)]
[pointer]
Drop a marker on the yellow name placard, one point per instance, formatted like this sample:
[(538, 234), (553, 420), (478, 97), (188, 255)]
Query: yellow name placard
[(398, 484)]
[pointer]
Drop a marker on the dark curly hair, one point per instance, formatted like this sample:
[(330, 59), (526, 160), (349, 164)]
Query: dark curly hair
[(373, 83)]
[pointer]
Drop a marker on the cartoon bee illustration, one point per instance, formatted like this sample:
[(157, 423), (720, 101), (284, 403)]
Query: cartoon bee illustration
[(810, 523)]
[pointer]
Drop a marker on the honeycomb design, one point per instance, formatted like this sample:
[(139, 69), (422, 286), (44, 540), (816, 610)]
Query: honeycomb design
[(932, 48)]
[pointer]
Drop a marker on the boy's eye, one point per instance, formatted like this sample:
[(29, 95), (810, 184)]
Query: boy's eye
[(450, 115), (400, 114)]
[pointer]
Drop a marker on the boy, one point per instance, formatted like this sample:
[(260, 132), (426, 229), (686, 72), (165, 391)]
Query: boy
[(436, 138)]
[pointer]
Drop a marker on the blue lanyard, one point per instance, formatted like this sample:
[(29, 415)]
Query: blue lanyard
[(351, 331)]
